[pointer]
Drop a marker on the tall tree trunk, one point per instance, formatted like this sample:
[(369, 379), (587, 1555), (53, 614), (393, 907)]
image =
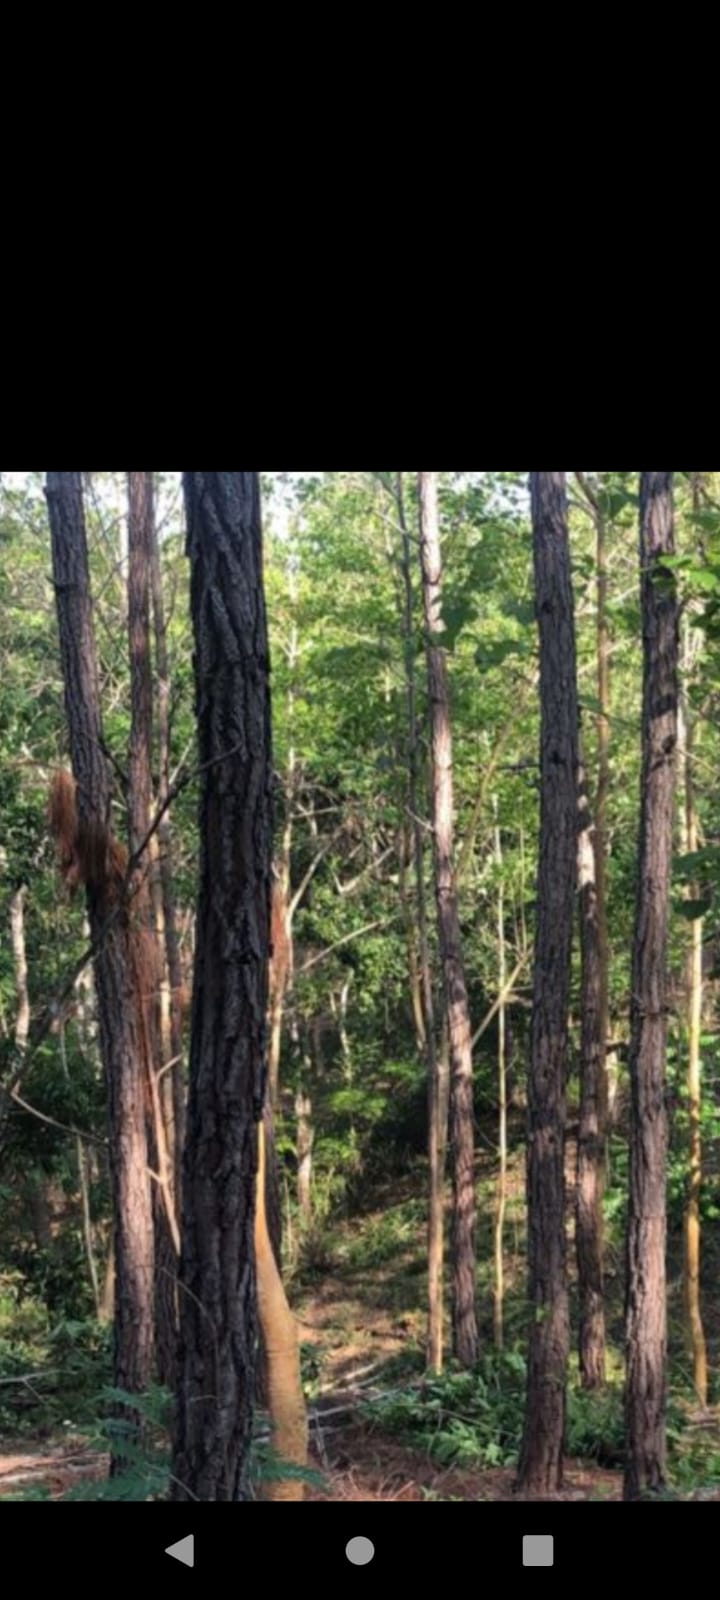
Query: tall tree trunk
[(36, 1195), (87, 1228), (502, 1104), (541, 1457), (409, 905), (286, 1401), (281, 972), (305, 1141), (110, 928), (87, 1030), (229, 1009), (687, 743), (17, 937), (608, 1061), (150, 959), (164, 838), (437, 1135), (591, 1133), (281, 965), (107, 1296), (646, 1330), (465, 1334)]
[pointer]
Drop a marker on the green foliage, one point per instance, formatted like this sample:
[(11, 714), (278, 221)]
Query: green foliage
[(595, 1425), (334, 582), (464, 1419)]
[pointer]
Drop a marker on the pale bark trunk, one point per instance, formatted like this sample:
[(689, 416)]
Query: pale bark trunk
[(591, 1132), (286, 1402), (687, 745), (87, 1227), (281, 973), (305, 1141), (501, 1195), (17, 936), (150, 956), (607, 1085), (420, 968), (465, 1334), (168, 919)]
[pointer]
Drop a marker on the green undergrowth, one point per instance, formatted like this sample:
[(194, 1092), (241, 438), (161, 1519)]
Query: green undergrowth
[(475, 1420)]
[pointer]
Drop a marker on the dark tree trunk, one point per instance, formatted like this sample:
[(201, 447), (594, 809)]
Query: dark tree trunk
[(229, 1009), (591, 1135), (149, 958), (462, 1134), (541, 1458), (110, 929), (646, 1332)]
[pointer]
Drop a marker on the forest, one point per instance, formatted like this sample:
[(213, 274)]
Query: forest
[(359, 986)]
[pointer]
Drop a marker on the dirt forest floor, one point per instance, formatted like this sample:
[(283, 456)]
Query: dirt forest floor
[(358, 1466), (361, 1326)]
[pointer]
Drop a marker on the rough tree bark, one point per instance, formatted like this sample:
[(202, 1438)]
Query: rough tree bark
[(110, 929), (465, 1334), (541, 1457), (218, 1320), (646, 1329)]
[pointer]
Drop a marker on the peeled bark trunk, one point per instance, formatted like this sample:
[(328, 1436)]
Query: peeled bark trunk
[(110, 928), (591, 1134), (281, 966), (229, 1011), (285, 1398), (168, 921), (541, 1458), (150, 958), (646, 1329), (465, 1334), (281, 970)]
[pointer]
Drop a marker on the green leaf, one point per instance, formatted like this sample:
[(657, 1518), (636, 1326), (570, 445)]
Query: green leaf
[(589, 702), (497, 651), (691, 910)]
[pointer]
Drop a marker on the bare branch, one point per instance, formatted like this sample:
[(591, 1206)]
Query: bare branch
[(504, 994), (357, 933)]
